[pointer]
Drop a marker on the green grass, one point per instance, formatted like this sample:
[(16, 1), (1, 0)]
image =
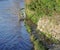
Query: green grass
[(41, 8)]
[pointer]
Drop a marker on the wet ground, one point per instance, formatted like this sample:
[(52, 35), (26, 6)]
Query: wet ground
[(13, 34)]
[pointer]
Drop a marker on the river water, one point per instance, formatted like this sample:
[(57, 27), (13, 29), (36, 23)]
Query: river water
[(13, 34)]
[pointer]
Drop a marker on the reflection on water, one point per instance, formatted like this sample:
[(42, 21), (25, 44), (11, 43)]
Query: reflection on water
[(13, 35)]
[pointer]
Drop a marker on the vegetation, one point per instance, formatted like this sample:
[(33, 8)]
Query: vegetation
[(39, 8), (37, 44)]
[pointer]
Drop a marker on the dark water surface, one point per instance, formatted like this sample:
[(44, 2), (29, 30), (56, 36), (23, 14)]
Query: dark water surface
[(13, 34)]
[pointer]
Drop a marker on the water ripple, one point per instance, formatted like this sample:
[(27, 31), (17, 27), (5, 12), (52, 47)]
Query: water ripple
[(13, 35)]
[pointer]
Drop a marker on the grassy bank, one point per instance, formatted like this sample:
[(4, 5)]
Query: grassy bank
[(39, 8), (41, 40), (36, 43), (36, 9)]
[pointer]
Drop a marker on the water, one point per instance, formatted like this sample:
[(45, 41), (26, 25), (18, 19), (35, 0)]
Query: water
[(13, 34)]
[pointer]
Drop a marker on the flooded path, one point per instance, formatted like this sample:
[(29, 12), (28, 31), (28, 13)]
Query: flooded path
[(13, 34)]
